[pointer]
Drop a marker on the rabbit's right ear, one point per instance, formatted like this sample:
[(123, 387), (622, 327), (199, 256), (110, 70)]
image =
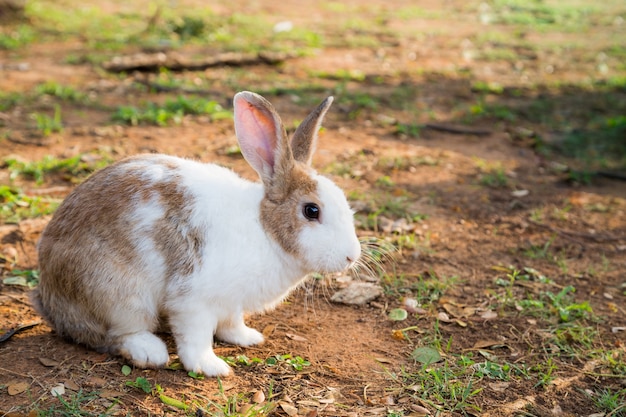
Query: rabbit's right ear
[(261, 134)]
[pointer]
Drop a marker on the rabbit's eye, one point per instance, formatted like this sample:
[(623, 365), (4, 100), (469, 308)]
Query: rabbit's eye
[(311, 211)]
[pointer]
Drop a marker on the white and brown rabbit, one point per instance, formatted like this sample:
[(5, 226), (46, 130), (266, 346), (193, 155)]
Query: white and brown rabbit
[(157, 239)]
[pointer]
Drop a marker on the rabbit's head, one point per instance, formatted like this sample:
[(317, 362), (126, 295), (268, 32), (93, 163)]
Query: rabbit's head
[(304, 212)]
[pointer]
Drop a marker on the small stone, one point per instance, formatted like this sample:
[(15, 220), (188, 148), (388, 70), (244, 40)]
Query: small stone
[(357, 293), (58, 390)]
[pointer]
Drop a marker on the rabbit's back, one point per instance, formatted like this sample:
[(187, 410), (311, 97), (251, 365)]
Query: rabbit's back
[(116, 244)]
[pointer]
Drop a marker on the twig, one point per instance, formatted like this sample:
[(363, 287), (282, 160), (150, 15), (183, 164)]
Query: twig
[(176, 62), (459, 130), (570, 233)]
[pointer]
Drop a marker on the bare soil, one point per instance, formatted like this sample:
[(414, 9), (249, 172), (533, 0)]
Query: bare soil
[(469, 230)]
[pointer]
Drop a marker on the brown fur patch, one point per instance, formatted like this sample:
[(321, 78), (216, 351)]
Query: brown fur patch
[(87, 252), (282, 202)]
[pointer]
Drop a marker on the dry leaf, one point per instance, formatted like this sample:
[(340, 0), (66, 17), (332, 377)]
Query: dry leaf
[(296, 338), (71, 385), (17, 388), (383, 360), (268, 330), (453, 310), (94, 381), (444, 317), (108, 393), (481, 344), (460, 322), (48, 362), (489, 315), (289, 409), (389, 400), (258, 397), (419, 410), (499, 386)]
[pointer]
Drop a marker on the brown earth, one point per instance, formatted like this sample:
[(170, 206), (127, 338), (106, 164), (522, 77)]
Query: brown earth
[(468, 230)]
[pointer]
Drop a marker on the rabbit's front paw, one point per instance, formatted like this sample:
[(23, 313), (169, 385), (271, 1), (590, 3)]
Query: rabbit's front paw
[(144, 350), (241, 335), (205, 362)]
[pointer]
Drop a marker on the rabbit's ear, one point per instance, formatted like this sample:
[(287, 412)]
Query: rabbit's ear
[(261, 134), (304, 138)]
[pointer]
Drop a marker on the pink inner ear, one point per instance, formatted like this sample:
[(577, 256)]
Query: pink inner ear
[(257, 133)]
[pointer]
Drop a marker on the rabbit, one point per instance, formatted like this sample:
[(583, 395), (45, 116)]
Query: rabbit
[(156, 239)]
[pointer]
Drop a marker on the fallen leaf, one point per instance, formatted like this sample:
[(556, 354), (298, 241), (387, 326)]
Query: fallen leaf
[(419, 410), (17, 388), (617, 329), (94, 381), (108, 393), (499, 386), (48, 362), (398, 314), (481, 344), (258, 397), (458, 312), (426, 355), (488, 355), (268, 330), (443, 317), (295, 337), (383, 360), (126, 370), (289, 409), (489, 315), (389, 400), (71, 385), (460, 322)]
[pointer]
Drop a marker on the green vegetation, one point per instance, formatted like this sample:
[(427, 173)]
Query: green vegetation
[(48, 125), (171, 111), (14, 205), (74, 168), (16, 37), (78, 404)]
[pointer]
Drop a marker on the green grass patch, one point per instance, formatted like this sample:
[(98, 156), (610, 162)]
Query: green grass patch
[(13, 38), (15, 206), (172, 111), (540, 13), (76, 404), (60, 91), (46, 124), (73, 169)]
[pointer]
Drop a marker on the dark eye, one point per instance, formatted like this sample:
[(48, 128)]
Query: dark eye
[(311, 211)]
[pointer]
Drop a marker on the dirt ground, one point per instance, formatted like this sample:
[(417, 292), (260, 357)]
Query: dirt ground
[(467, 230)]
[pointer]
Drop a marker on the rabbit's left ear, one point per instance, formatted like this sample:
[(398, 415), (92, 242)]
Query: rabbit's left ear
[(261, 135), (304, 139)]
